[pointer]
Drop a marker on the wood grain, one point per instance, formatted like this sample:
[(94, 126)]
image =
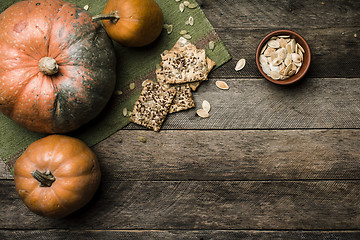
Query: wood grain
[(334, 51), (259, 104), (331, 29), (202, 205), (178, 234), (281, 13), (229, 155)]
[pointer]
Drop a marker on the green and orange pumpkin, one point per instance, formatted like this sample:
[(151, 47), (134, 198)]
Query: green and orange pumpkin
[(57, 66)]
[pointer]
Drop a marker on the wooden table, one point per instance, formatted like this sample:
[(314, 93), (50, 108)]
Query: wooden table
[(272, 162)]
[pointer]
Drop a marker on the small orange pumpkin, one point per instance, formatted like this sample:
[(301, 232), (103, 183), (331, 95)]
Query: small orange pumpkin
[(132, 23), (57, 175)]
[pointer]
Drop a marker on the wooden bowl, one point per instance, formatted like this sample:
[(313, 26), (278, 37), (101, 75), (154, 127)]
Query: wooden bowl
[(306, 58)]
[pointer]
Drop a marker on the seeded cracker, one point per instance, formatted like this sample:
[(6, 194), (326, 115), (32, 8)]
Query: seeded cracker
[(153, 105), (184, 45), (183, 99), (184, 63)]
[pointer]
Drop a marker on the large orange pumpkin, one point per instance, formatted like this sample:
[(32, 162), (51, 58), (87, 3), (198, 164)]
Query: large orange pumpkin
[(133, 23), (57, 66), (57, 175)]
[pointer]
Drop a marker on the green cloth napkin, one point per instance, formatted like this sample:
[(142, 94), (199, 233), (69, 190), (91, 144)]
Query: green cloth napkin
[(134, 66)]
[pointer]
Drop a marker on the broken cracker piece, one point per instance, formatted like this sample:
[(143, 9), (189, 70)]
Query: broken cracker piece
[(153, 105), (183, 44), (184, 63), (195, 85), (183, 99)]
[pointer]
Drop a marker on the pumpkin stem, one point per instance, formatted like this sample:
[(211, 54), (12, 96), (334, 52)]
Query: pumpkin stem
[(45, 179), (113, 16), (48, 66)]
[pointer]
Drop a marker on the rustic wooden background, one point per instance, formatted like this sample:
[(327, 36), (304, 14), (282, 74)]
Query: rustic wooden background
[(272, 162)]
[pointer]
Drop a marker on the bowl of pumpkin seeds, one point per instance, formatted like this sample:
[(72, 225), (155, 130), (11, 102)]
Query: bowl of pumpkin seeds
[(283, 57)]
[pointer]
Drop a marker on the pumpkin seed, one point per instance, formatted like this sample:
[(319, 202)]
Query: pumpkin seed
[(186, 3), (118, 92), (181, 7), (284, 36), (125, 111), (211, 45), (142, 139), (86, 7), (222, 85), (275, 75), (300, 47), (240, 64), (191, 21), (177, 0), (187, 36), (192, 5), (202, 113), (169, 28), (274, 44), (183, 32), (132, 86), (206, 106)]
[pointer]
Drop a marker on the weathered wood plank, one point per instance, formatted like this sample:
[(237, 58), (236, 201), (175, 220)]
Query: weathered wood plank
[(229, 155), (281, 13), (178, 235), (259, 104), (335, 52), (4, 173), (201, 205), (329, 29)]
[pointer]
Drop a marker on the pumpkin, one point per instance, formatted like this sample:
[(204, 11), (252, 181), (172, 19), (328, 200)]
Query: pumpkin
[(132, 23), (56, 175), (57, 66)]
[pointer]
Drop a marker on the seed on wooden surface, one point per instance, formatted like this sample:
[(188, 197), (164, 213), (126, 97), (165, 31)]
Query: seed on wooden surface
[(202, 113), (142, 139), (206, 106), (222, 85), (240, 64)]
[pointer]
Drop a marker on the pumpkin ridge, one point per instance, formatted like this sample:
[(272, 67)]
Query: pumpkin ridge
[(21, 90), (58, 200)]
